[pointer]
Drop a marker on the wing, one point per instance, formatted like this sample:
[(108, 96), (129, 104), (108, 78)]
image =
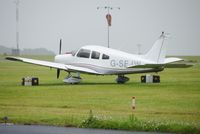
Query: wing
[(69, 68)]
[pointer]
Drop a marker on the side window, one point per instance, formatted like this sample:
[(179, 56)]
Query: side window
[(105, 57), (83, 53), (95, 55)]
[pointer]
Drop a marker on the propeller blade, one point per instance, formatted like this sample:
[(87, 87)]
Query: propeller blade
[(60, 46), (58, 73)]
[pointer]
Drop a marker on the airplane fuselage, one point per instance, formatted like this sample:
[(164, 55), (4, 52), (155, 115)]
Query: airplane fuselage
[(106, 60)]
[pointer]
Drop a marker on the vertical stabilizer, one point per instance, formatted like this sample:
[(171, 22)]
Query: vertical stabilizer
[(158, 51)]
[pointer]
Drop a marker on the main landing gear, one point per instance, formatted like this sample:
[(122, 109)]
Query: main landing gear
[(121, 79), (72, 79)]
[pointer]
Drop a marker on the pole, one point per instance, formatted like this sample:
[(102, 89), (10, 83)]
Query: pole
[(133, 103), (108, 27), (17, 25), (108, 30), (108, 36), (139, 49)]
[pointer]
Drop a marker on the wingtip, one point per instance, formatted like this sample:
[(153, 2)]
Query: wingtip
[(12, 58)]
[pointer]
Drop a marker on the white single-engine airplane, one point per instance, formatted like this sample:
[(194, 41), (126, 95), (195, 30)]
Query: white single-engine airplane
[(100, 60)]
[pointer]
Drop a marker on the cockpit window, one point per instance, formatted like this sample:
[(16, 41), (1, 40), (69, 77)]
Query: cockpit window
[(95, 55), (105, 57), (84, 53)]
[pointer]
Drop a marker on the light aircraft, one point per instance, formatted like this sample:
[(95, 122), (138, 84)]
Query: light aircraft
[(99, 60)]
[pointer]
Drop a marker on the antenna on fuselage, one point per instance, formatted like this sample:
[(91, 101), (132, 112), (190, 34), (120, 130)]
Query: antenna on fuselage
[(109, 18)]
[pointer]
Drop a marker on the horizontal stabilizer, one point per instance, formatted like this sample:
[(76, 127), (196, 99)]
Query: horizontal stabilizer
[(171, 60), (177, 65)]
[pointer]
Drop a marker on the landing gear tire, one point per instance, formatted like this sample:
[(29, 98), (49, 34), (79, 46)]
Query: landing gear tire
[(121, 79), (72, 79)]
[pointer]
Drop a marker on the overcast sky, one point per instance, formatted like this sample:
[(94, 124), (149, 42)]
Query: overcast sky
[(78, 22)]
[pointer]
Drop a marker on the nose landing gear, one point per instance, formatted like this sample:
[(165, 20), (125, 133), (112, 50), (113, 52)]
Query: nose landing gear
[(72, 79)]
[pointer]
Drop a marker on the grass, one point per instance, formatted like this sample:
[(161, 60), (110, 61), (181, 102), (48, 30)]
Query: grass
[(171, 106)]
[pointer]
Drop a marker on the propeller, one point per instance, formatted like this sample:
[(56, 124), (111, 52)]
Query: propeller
[(60, 46), (58, 73)]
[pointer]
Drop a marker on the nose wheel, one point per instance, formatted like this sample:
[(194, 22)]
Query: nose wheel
[(72, 79), (121, 79)]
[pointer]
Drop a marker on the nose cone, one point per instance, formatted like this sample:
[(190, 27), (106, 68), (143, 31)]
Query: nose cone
[(64, 58), (58, 58)]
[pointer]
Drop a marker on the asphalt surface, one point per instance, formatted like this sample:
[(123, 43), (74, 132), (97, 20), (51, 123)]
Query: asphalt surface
[(34, 129)]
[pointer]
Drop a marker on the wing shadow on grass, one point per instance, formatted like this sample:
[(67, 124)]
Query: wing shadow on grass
[(90, 83), (80, 84)]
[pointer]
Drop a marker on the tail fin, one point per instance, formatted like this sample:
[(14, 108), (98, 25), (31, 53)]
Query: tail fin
[(158, 52)]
